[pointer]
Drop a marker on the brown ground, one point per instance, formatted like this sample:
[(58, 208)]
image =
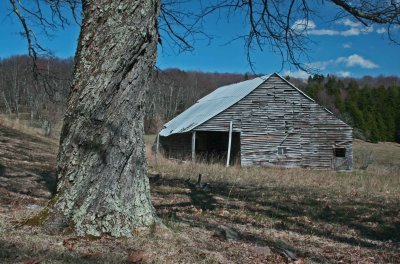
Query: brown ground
[(324, 218)]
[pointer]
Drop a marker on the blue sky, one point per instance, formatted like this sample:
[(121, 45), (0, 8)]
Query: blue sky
[(344, 47)]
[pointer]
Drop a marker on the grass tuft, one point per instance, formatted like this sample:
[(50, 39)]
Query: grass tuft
[(38, 219)]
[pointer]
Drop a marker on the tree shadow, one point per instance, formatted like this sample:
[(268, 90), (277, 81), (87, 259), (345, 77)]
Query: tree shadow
[(370, 220), (309, 212), (21, 253), (200, 198), (2, 170), (50, 180), (26, 165)]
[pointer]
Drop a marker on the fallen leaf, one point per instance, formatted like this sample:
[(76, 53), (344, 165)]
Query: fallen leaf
[(137, 257), (299, 261), (90, 254), (32, 261), (69, 243)]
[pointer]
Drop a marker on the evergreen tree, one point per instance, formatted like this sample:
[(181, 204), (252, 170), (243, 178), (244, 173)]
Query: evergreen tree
[(373, 110)]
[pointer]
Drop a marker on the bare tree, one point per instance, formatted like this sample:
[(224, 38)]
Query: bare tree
[(22, 95), (102, 185), (3, 95)]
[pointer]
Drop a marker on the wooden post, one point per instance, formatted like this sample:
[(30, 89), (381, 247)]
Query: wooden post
[(157, 147), (194, 146), (229, 144)]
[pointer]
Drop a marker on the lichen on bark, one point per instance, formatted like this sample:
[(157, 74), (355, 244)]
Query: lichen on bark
[(102, 171)]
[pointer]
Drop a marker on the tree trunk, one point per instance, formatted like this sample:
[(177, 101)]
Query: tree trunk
[(102, 185), (7, 104)]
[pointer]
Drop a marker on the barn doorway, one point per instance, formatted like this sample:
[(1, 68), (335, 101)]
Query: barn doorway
[(212, 147), (340, 159)]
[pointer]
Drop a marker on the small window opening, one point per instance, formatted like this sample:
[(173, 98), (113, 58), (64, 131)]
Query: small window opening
[(281, 150), (340, 152)]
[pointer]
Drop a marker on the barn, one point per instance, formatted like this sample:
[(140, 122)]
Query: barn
[(265, 121)]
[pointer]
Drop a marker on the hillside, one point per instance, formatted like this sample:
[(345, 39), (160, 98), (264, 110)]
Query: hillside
[(27, 167), (371, 105), (245, 215)]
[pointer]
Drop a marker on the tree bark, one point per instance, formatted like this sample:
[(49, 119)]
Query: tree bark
[(102, 184)]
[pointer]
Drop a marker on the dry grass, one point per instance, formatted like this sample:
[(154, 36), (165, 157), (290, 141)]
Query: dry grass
[(380, 179), (383, 153), (324, 216), (24, 124), (320, 216), (20, 125)]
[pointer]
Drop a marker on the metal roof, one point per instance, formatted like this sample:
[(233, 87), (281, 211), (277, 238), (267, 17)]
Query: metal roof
[(211, 105)]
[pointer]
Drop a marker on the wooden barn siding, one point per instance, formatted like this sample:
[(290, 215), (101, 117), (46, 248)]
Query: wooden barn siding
[(266, 115), (178, 146)]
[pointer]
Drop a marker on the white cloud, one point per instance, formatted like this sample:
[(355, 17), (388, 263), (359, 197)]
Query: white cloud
[(347, 45), (343, 73), (297, 74), (357, 60), (353, 28), (346, 33), (321, 65), (348, 22), (354, 60), (355, 31), (321, 32), (302, 24), (350, 61), (381, 30)]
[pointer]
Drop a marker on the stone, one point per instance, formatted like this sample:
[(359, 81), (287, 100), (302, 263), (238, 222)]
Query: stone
[(288, 254), (262, 251), (228, 233)]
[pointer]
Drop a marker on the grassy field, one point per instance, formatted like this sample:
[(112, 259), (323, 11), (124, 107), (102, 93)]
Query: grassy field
[(276, 215)]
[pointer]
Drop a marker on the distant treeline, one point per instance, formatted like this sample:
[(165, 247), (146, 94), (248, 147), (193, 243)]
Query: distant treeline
[(37, 94), (370, 104)]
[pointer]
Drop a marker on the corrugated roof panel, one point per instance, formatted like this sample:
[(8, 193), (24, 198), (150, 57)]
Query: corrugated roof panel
[(211, 105)]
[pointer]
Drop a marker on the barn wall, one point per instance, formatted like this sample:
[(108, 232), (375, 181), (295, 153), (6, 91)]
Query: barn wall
[(276, 114), (178, 146)]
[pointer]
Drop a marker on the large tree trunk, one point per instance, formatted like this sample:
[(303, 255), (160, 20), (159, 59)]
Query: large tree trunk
[(102, 183)]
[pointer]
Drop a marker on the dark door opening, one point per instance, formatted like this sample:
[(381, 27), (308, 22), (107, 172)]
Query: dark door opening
[(212, 147), (341, 160)]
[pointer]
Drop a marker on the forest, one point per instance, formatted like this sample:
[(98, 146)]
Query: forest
[(371, 105)]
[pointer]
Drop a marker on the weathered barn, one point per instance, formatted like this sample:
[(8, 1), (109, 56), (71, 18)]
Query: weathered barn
[(265, 121)]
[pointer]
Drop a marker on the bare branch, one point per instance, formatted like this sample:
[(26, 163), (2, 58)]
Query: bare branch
[(31, 49), (380, 12), (45, 15), (182, 27), (271, 23)]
